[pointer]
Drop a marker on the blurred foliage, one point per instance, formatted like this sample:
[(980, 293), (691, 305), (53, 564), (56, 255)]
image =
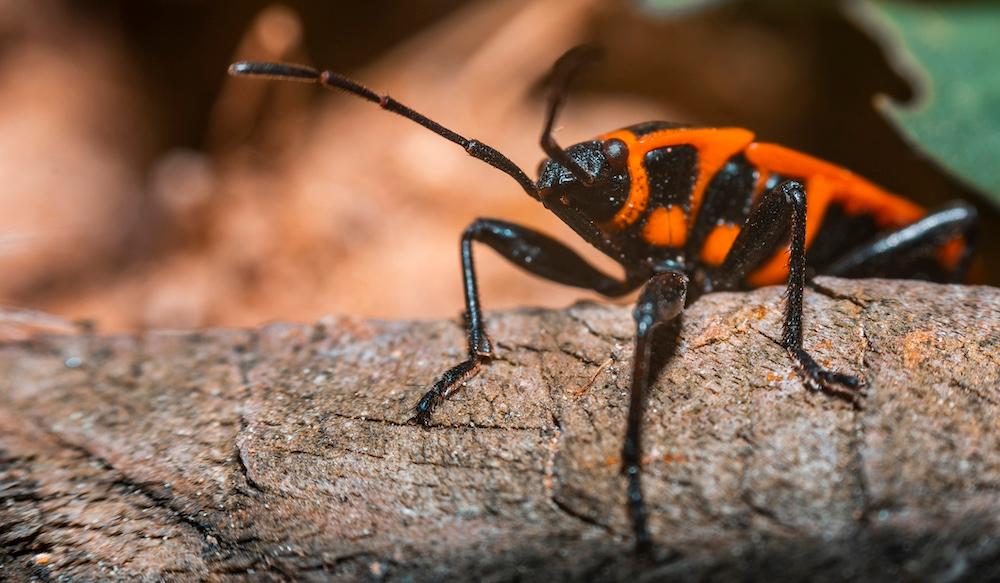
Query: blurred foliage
[(145, 189), (951, 50), (674, 6)]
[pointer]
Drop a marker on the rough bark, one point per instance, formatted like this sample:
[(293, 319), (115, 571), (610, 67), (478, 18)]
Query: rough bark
[(285, 452)]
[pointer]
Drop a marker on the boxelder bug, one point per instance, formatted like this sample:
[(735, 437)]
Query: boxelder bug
[(686, 211)]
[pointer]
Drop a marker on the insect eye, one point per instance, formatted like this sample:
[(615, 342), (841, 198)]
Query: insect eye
[(616, 153)]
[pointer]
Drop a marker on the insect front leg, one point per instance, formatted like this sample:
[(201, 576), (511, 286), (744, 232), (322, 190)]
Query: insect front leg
[(532, 251), (782, 210), (660, 302)]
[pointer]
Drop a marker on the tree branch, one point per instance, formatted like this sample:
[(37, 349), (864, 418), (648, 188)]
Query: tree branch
[(285, 453)]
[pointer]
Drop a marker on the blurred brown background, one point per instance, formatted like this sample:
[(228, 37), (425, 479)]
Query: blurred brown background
[(144, 188)]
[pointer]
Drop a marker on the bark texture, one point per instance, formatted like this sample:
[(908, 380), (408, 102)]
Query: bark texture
[(284, 453)]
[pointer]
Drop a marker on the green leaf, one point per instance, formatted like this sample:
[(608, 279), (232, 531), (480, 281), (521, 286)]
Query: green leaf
[(951, 52), (670, 7)]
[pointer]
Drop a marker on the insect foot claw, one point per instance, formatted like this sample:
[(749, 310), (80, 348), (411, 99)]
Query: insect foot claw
[(485, 347), (421, 418), (846, 380), (844, 386), (442, 389), (426, 406)]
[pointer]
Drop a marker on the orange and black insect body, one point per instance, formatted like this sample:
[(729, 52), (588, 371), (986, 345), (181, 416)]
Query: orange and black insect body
[(687, 211)]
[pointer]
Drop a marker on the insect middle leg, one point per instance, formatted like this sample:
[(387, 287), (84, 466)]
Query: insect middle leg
[(782, 210), (533, 252)]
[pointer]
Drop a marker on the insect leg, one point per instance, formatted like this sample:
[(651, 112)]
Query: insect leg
[(922, 238), (781, 209), (532, 251), (660, 302)]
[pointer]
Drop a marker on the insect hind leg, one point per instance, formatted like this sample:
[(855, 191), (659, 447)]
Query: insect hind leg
[(954, 222)]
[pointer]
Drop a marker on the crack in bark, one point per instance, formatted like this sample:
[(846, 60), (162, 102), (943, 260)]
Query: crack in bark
[(859, 438), (835, 295), (471, 426), (573, 513), (769, 515), (975, 392), (578, 357), (246, 358), (555, 442), (241, 462), (337, 565), (521, 346), (71, 558), (16, 492), (550, 478), (359, 452), (459, 466), (590, 329), (206, 531), (746, 434)]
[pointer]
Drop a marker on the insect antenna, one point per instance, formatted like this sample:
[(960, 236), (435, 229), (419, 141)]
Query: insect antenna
[(563, 73), (329, 79)]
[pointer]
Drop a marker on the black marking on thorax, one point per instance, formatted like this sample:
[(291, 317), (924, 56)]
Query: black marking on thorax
[(671, 173), (728, 198)]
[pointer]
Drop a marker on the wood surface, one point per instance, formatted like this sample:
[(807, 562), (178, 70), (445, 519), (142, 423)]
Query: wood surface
[(285, 452)]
